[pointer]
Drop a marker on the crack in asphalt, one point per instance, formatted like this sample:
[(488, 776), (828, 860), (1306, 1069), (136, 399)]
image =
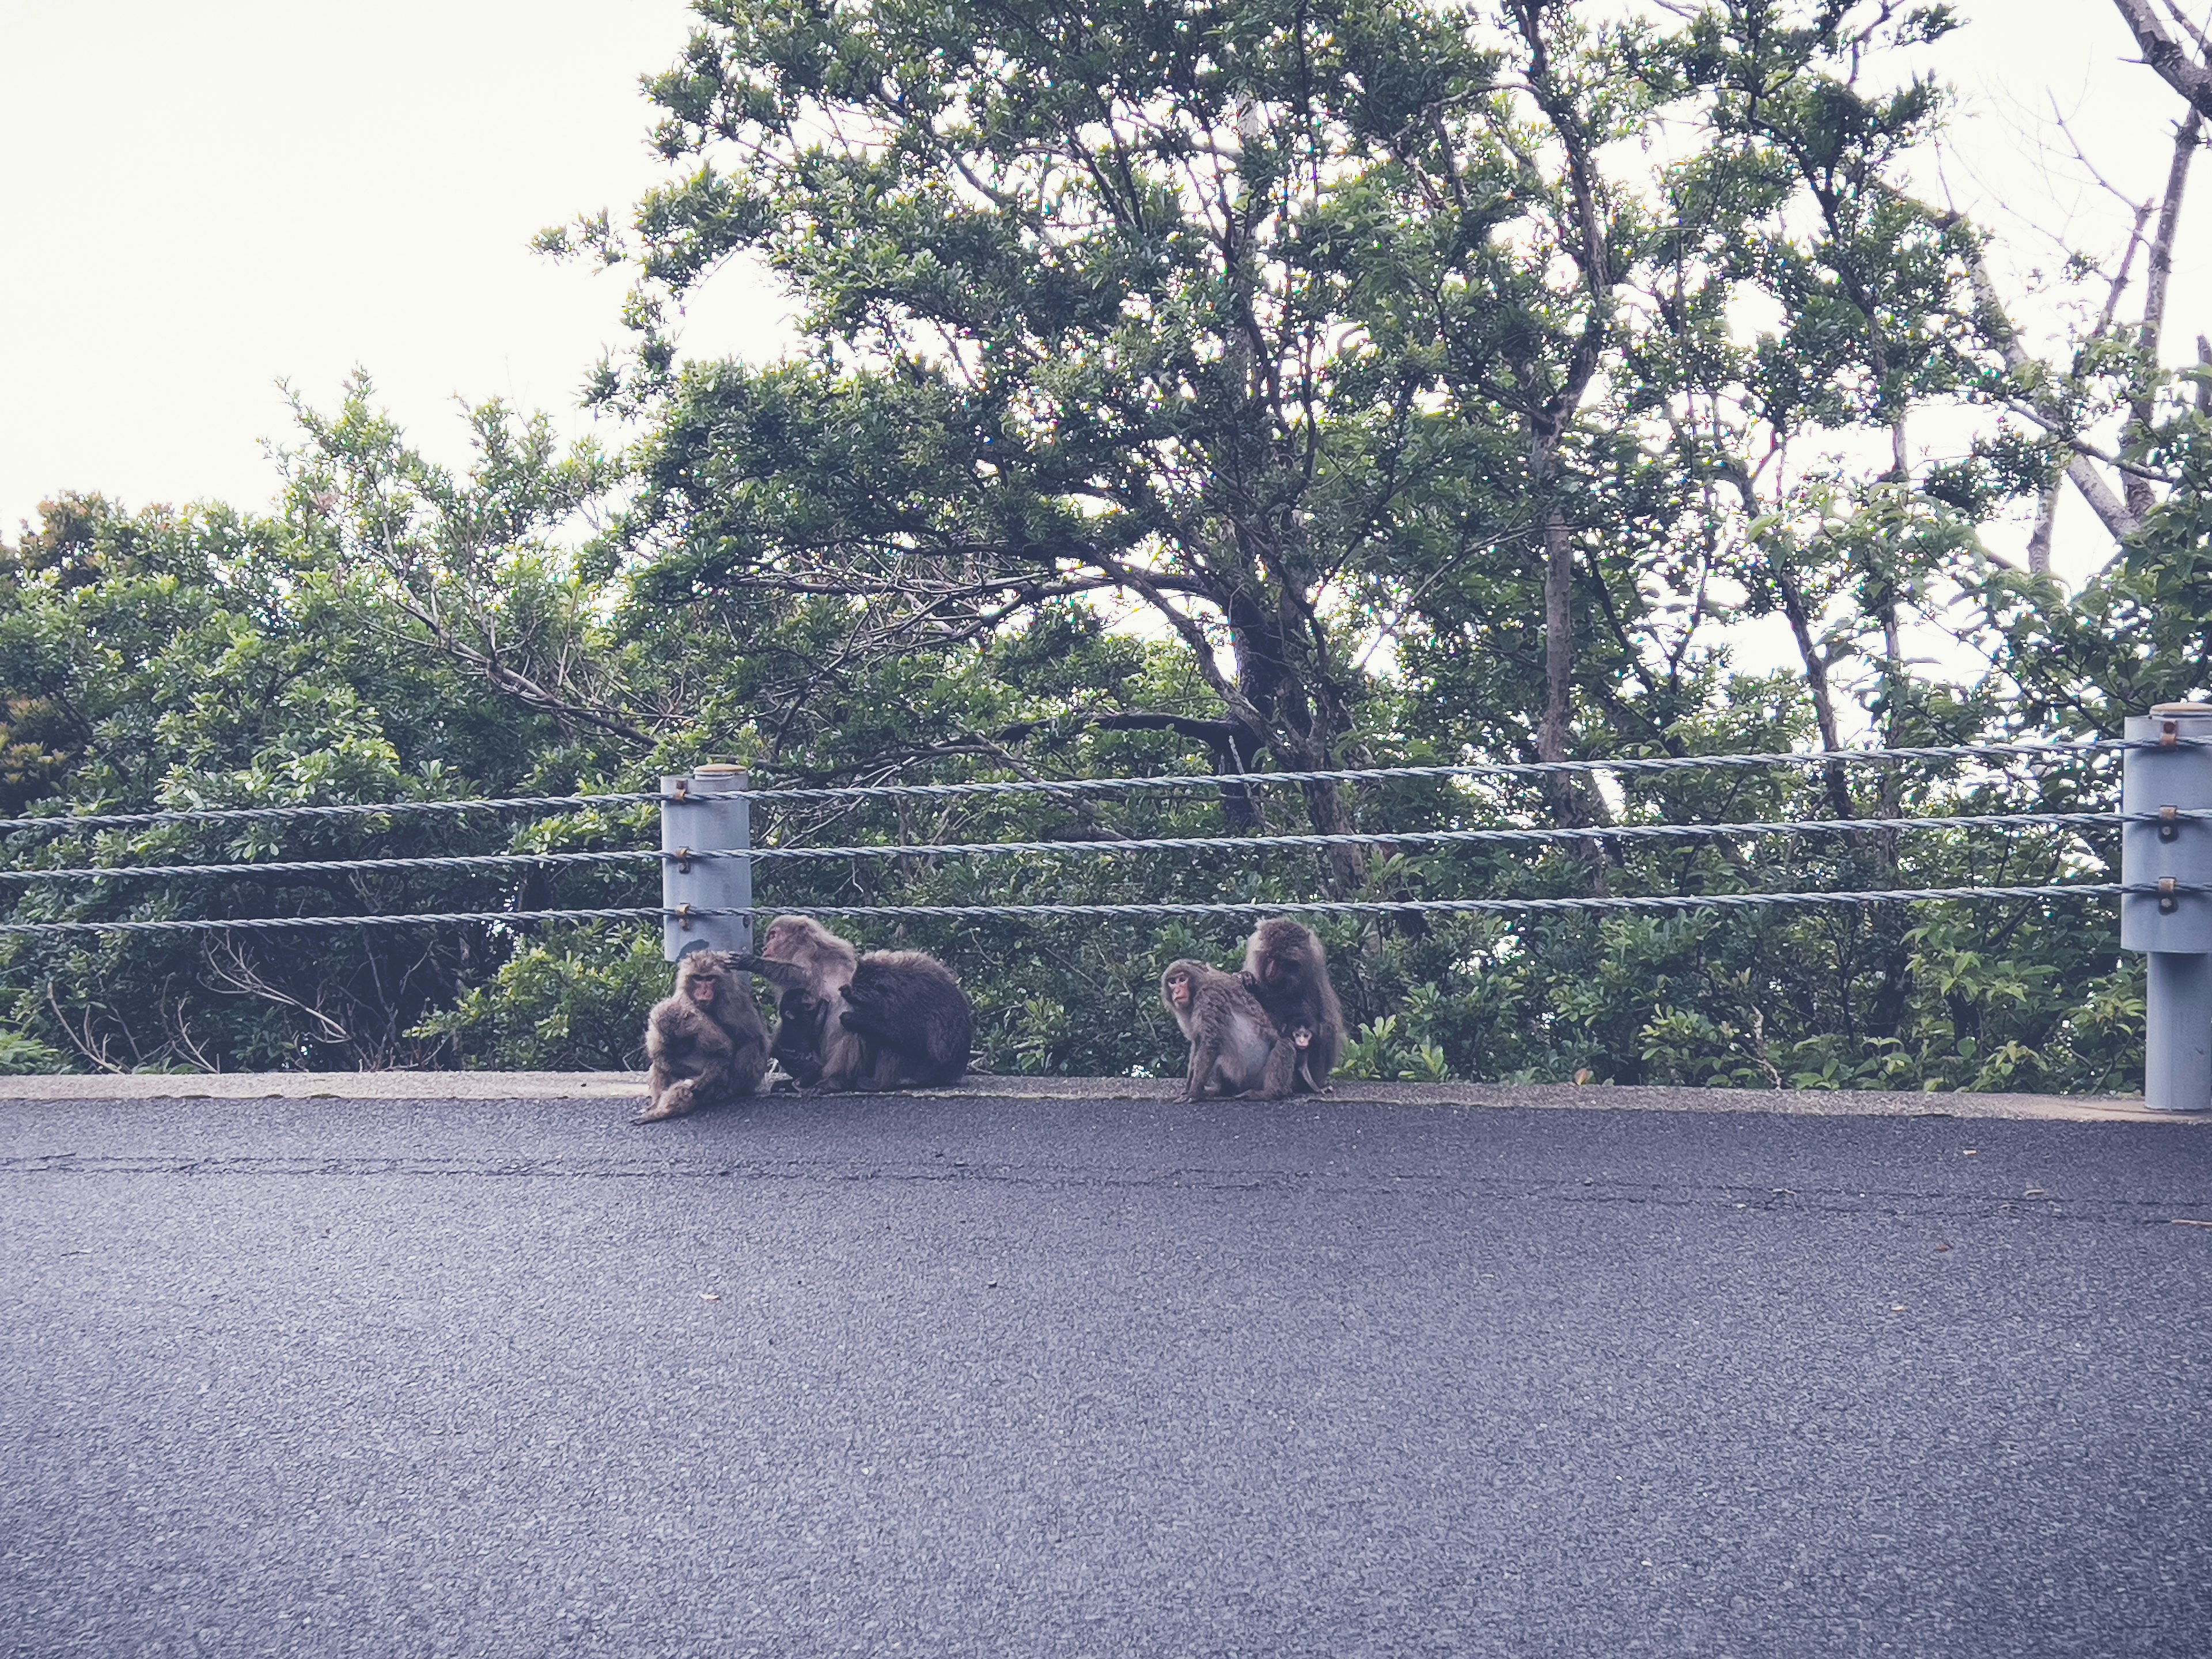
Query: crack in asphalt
[(1841, 1201)]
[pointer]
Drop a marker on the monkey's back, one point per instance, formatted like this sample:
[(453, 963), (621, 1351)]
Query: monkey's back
[(910, 1001)]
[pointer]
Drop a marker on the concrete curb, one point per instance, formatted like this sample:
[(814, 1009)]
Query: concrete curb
[(623, 1087)]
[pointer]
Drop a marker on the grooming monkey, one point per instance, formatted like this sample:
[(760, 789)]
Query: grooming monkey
[(847, 1021), (705, 1042), (911, 1015), (810, 966), (1235, 1049), (1284, 967)]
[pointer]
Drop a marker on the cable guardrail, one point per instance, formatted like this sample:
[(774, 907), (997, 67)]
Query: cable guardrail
[(687, 915), (1621, 832), (64, 821), (708, 859), (774, 796), (721, 815), (1639, 765)]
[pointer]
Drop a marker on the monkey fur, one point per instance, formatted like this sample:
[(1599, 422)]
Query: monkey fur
[(705, 1042), (810, 966), (848, 1021), (1285, 969), (1235, 1049), (914, 1018), (798, 1047)]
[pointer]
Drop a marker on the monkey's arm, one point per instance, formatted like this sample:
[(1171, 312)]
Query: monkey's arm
[(1282, 1069), (1205, 1056), (784, 976), (692, 1062)]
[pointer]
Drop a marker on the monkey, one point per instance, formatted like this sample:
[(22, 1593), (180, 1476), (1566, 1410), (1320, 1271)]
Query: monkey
[(1235, 1049), (705, 1041), (798, 1036), (847, 1021), (914, 1018), (1283, 967), (811, 967)]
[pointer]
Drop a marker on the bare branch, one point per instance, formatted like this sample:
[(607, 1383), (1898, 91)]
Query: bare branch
[(235, 977), (2187, 137), (85, 1043), (2046, 520), (2203, 45), (2166, 56), (2111, 511)]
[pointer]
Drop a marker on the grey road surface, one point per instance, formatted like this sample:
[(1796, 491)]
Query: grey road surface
[(978, 1376)]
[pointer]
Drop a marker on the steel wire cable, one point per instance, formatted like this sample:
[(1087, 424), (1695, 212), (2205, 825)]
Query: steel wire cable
[(344, 810), (326, 866), (1498, 770), (1086, 786), (1151, 844), (1313, 907)]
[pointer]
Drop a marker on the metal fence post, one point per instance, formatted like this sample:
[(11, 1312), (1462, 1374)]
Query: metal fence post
[(706, 813), (2174, 926)]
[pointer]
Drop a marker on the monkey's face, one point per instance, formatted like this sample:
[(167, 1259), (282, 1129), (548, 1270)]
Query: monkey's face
[(699, 987), (1179, 992), (787, 940)]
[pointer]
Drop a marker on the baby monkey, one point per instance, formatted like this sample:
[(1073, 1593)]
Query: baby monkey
[(706, 1042), (1235, 1049)]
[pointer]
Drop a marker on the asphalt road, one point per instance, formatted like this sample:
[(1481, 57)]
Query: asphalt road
[(954, 1376)]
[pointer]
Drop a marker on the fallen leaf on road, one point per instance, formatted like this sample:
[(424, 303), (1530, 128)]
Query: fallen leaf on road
[(2179, 1223), (708, 1295), (1896, 1307), (2035, 1192), (1971, 1151), (1942, 1246), (1583, 1076)]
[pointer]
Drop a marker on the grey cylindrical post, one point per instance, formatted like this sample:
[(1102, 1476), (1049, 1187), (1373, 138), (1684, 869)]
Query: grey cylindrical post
[(706, 813), (2175, 926), (2177, 1017)]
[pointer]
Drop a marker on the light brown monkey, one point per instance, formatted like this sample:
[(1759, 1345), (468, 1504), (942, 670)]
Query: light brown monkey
[(913, 1016), (810, 966), (1284, 967), (706, 1041), (1235, 1049)]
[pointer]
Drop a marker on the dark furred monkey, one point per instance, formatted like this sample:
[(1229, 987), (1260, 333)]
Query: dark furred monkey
[(912, 1014), (800, 1019), (1235, 1049), (1284, 969), (706, 1041)]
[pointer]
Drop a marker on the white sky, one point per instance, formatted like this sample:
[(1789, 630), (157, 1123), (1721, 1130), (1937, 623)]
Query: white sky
[(201, 200)]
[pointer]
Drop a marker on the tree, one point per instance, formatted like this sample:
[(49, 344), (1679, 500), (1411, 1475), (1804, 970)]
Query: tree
[(1084, 295)]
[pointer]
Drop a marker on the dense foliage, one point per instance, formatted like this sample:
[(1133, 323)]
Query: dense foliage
[(1183, 387)]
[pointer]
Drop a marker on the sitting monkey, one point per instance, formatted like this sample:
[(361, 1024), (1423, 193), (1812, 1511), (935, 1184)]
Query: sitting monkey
[(705, 1042), (1235, 1049), (1287, 969), (849, 1020), (912, 1015)]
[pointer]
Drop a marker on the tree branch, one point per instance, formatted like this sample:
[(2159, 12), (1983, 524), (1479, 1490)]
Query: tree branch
[(2166, 56)]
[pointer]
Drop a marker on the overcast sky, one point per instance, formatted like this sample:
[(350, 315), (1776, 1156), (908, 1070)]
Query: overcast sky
[(202, 200)]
